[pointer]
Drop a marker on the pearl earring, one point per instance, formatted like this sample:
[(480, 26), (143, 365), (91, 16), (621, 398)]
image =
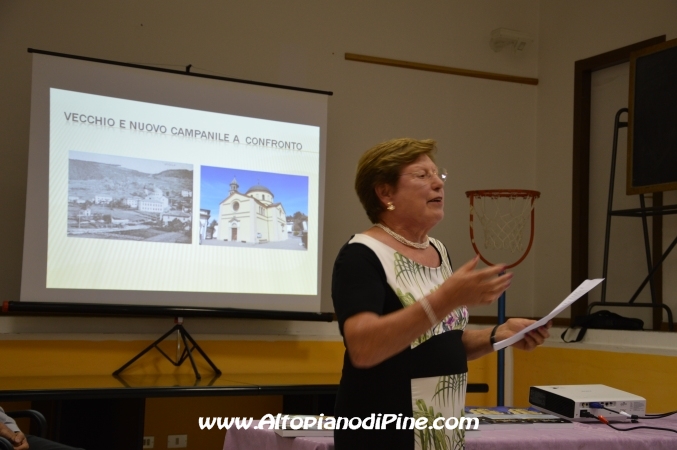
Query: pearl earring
[(390, 207)]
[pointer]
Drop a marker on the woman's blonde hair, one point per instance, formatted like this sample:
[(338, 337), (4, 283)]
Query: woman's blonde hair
[(382, 164)]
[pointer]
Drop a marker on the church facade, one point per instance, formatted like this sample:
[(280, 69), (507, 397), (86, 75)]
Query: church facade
[(252, 217)]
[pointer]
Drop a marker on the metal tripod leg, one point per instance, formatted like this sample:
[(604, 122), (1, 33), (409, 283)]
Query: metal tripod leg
[(187, 352)]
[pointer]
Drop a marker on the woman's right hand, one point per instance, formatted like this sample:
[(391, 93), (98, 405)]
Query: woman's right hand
[(472, 287)]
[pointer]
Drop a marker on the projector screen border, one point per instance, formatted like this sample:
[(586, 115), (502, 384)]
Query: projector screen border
[(178, 72), (245, 303), (93, 309)]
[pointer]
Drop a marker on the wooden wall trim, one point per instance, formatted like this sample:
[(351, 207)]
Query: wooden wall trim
[(440, 69)]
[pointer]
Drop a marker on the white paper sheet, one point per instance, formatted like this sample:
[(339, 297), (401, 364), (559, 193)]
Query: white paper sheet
[(581, 290)]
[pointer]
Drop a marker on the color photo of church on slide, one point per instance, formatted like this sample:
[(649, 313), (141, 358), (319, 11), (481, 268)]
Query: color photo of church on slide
[(243, 208)]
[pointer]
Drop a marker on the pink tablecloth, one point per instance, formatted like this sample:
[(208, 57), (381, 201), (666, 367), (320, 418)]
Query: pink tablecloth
[(577, 436), (580, 436), (252, 439)]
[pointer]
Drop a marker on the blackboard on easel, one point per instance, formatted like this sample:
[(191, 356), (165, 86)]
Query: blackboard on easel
[(652, 120)]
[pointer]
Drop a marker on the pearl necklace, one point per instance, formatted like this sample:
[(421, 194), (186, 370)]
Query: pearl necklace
[(404, 240)]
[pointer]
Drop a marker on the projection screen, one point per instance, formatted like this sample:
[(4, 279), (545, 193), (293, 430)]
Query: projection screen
[(158, 188)]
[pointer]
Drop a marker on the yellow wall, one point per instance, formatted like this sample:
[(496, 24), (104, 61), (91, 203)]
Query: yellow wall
[(62, 358), (482, 370), (649, 376), (53, 358), (166, 416)]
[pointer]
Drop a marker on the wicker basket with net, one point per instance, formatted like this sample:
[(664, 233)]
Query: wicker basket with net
[(502, 214)]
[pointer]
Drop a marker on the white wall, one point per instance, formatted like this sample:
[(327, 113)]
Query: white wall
[(486, 129), (491, 134), (569, 31)]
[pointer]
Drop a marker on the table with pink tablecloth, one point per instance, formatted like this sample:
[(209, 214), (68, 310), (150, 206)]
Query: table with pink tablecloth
[(253, 439), (580, 436)]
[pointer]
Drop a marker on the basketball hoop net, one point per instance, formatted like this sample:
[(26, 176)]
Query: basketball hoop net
[(503, 214)]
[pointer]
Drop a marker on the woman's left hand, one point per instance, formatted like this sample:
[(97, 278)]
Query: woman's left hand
[(531, 340)]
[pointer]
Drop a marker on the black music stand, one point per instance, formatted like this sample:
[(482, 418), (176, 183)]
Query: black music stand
[(642, 212)]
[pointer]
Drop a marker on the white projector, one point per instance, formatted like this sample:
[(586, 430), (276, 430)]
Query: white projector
[(573, 402)]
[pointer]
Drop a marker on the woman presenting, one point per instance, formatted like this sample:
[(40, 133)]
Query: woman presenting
[(402, 312)]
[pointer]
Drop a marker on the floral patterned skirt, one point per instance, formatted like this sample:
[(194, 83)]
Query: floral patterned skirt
[(435, 397)]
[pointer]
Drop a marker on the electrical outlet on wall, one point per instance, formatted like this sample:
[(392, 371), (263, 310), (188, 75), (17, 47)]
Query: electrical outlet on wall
[(177, 441), (148, 442)]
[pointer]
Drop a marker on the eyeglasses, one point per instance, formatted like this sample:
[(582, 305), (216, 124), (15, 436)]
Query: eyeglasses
[(427, 175)]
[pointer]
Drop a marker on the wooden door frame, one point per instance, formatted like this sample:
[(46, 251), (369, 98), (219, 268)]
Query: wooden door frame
[(581, 167)]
